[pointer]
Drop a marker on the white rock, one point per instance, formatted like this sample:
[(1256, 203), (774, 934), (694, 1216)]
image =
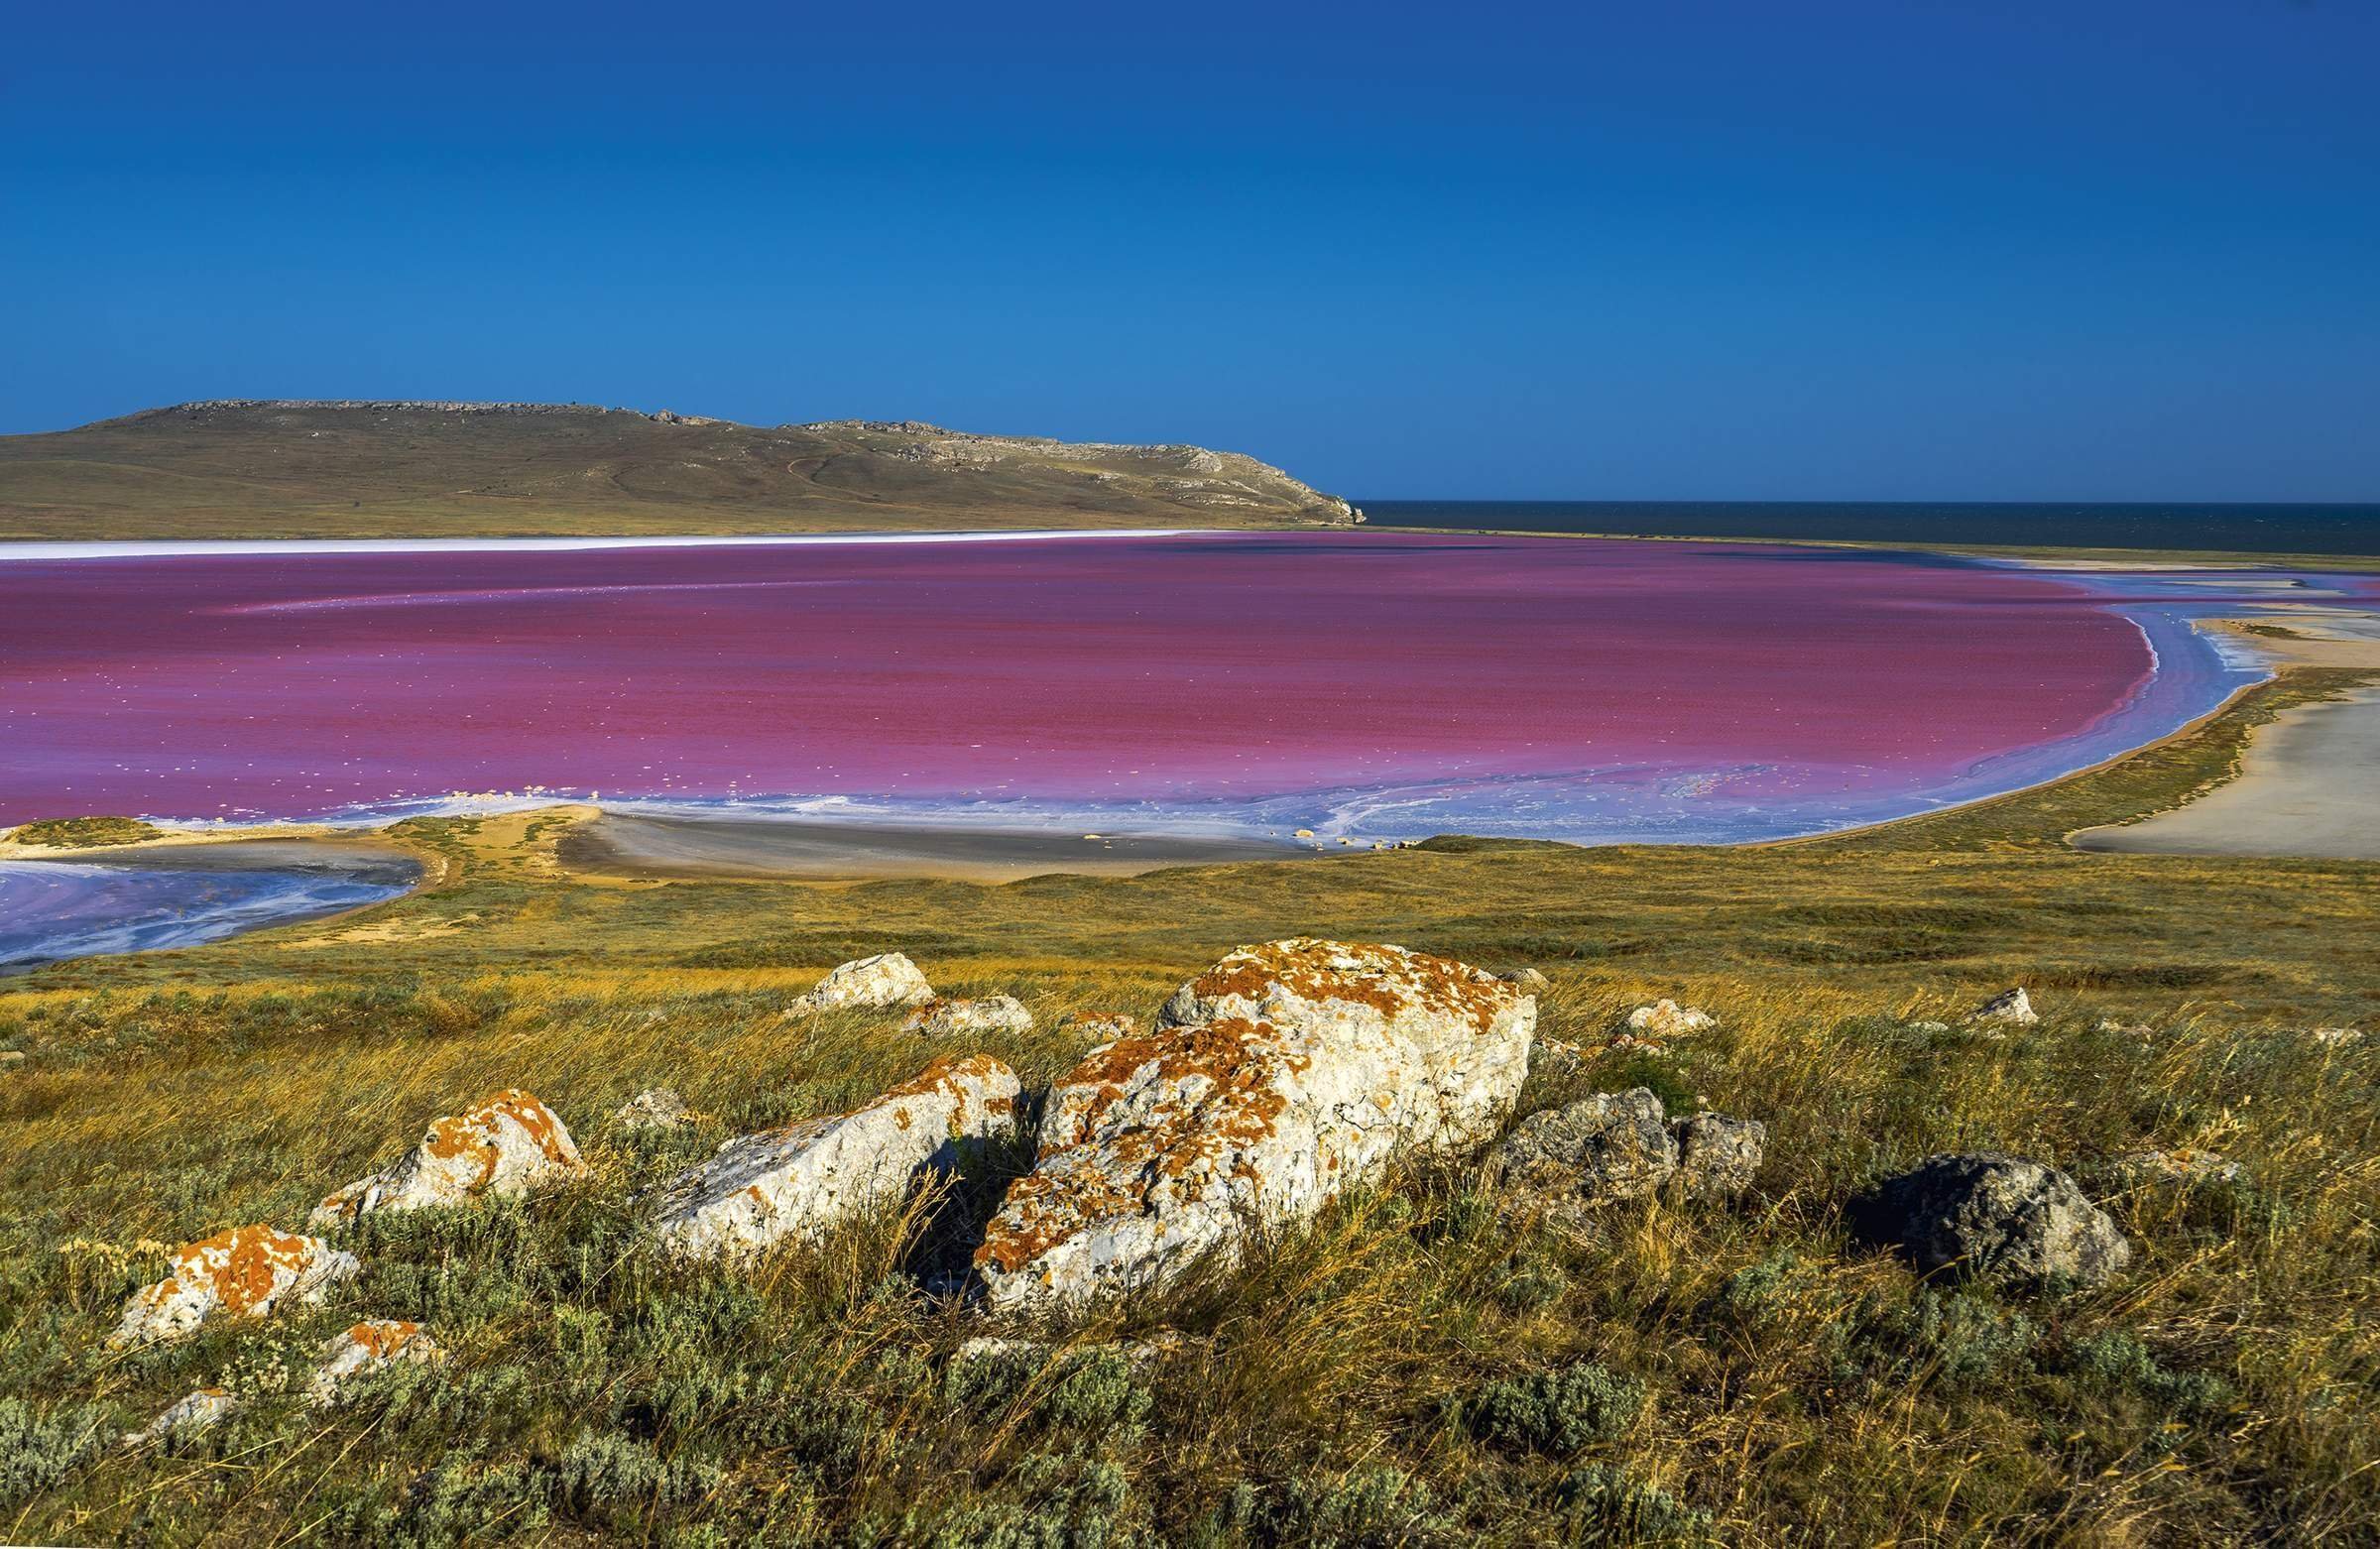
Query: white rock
[(888, 979), (199, 1409), (370, 1345), (1273, 1081), (1528, 980), (1669, 1020), (498, 1148), (1137, 1353), (245, 1272), (802, 1179), (2011, 1007), (955, 1019), (2336, 1037), (2181, 1164)]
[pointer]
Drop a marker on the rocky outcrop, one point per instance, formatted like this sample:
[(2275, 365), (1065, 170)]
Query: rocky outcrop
[(807, 1177), (870, 984), (245, 1272), (965, 1019), (654, 1108), (1664, 1020), (1994, 1217), (2008, 1008), (499, 1148), (371, 1346), (1273, 1081)]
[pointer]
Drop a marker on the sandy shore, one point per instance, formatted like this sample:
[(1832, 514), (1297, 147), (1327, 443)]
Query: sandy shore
[(2308, 785), (621, 845)]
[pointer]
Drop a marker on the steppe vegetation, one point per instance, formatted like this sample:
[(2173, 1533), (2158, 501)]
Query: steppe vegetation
[(1417, 1367)]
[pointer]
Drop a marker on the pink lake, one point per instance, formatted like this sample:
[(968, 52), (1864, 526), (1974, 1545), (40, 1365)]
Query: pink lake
[(1377, 685)]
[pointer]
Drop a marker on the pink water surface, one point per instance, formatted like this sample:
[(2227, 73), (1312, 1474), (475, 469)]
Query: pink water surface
[(1168, 670)]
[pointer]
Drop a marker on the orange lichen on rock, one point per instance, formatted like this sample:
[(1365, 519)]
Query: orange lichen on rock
[(244, 1273), (500, 1147)]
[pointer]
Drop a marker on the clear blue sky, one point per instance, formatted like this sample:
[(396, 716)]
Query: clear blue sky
[(1689, 249)]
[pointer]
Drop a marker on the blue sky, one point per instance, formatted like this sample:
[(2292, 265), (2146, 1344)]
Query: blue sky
[(1709, 249)]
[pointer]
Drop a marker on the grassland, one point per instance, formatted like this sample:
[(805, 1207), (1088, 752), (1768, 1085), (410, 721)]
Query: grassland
[(1406, 1370), (414, 471)]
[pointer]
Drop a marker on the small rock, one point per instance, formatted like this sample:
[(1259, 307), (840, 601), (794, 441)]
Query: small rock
[(1527, 979), (1137, 1353), (1557, 1057), (498, 1148), (200, 1409), (809, 1176), (2012, 1008), (245, 1272), (872, 983), (1629, 1044), (1101, 1026), (1929, 1027), (2336, 1037), (1601, 1148), (654, 1108), (2181, 1164), (1994, 1216), (2135, 1029), (371, 1346), (12, 1056), (951, 1018), (1273, 1081), (1719, 1156), (1669, 1020)]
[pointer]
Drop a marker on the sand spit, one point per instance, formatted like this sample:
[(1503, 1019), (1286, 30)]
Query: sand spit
[(623, 845)]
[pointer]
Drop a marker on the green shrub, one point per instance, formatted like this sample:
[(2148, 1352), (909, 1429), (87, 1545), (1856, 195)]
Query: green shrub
[(1558, 1411), (1609, 1505), (40, 1446)]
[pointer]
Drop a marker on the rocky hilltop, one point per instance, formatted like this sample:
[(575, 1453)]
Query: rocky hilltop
[(366, 467)]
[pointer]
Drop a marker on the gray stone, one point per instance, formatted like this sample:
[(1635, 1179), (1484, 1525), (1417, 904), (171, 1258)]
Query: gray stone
[(1995, 1216), (1601, 1148), (1717, 1155)]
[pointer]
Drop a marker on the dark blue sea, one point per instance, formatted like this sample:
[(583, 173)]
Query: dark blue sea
[(2241, 529)]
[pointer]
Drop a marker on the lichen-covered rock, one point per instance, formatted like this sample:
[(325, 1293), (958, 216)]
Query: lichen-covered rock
[(958, 1019), (498, 1148), (654, 1108), (1669, 1020), (370, 1345), (802, 1179), (1273, 1080), (245, 1272), (872, 983), (1102, 1026), (1996, 1216), (1717, 1155), (199, 1409), (1613, 1146), (2009, 1009)]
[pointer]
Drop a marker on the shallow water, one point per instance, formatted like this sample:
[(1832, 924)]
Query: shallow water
[(52, 910), (1363, 685)]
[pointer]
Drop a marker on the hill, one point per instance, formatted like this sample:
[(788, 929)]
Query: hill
[(354, 468)]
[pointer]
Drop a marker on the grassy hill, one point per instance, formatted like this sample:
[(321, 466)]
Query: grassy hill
[(1691, 1371), (362, 469)]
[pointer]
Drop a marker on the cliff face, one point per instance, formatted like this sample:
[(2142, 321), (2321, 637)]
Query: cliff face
[(363, 468)]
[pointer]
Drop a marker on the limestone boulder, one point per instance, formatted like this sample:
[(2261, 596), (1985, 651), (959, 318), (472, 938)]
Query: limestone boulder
[(499, 1148), (869, 983), (371, 1346), (967, 1019), (1665, 1019), (245, 1272), (800, 1180), (1273, 1081), (1601, 1149), (2008, 1008), (1995, 1216)]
